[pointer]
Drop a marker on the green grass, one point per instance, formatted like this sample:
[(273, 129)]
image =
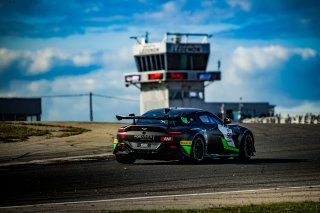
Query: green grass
[(21, 131), (285, 207), (69, 131), (12, 132)]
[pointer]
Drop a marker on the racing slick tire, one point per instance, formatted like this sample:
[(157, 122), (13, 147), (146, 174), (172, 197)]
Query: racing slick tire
[(125, 159), (197, 150), (246, 147)]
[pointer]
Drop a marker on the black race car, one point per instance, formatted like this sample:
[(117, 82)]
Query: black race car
[(181, 133)]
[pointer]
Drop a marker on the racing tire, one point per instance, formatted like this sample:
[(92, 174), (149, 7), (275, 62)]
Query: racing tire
[(125, 159), (197, 150), (246, 148)]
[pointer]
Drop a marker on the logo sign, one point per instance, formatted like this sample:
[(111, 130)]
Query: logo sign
[(186, 143), (132, 78), (209, 76), (150, 49), (166, 138), (144, 137), (182, 48), (177, 75), (155, 76)]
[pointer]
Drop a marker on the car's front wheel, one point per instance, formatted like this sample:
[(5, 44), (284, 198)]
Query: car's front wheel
[(197, 151), (125, 159)]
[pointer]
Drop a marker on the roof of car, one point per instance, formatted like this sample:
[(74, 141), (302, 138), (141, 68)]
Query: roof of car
[(180, 109)]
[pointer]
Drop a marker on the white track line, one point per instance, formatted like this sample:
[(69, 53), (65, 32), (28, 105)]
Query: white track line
[(159, 196)]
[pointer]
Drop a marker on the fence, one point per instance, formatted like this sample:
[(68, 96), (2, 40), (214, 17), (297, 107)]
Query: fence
[(308, 118)]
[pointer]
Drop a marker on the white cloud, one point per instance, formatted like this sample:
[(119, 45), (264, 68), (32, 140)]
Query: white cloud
[(6, 58), (92, 9), (248, 72), (306, 53), (255, 59), (103, 82), (118, 59), (243, 4), (83, 59), (173, 14), (41, 60), (38, 87), (302, 108)]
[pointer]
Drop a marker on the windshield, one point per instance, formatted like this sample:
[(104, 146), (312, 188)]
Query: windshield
[(184, 119)]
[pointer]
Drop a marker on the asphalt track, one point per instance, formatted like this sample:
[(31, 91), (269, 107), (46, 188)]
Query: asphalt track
[(287, 156)]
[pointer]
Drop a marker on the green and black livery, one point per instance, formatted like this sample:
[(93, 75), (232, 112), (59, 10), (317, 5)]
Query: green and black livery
[(183, 134)]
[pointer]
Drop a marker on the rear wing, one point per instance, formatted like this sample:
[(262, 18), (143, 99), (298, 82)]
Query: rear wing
[(133, 117)]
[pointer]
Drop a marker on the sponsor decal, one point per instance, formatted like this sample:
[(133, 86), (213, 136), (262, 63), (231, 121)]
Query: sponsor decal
[(227, 140), (185, 120), (167, 138), (144, 137), (185, 143), (227, 133), (191, 48), (115, 142)]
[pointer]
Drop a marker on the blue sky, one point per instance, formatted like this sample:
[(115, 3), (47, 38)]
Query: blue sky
[(269, 51)]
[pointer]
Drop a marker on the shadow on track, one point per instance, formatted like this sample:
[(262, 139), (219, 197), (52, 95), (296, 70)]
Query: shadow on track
[(254, 161)]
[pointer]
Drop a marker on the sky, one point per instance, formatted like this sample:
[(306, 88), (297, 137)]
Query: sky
[(269, 51)]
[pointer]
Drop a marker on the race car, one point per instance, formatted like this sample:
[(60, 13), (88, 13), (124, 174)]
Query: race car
[(181, 134)]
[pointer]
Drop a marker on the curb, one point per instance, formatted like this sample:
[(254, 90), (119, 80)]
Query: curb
[(62, 160)]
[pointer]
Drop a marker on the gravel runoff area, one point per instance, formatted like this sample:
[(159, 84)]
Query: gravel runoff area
[(97, 143)]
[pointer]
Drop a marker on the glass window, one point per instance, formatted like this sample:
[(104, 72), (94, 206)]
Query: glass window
[(182, 118), (204, 119), (209, 119)]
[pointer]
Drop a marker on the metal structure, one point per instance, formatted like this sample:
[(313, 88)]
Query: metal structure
[(172, 72)]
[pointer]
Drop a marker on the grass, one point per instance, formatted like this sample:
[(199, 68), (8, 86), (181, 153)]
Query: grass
[(69, 131), (12, 132), (21, 131), (284, 207)]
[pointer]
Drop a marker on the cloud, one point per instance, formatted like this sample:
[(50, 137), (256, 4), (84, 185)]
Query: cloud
[(280, 75), (6, 58), (301, 108), (103, 82), (243, 4), (43, 60), (259, 58)]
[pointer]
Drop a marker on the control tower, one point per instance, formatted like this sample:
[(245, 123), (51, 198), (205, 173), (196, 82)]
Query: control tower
[(172, 73)]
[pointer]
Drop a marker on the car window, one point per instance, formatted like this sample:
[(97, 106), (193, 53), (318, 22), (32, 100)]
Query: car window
[(184, 119), (209, 119), (204, 119), (214, 120)]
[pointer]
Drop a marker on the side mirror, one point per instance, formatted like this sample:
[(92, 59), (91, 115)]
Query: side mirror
[(227, 121)]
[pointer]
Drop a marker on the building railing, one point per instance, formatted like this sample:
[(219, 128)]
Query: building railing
[(308, 118)]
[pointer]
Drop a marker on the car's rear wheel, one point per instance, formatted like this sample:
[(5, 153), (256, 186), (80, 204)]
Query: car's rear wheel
[(246, 147), (197, 151), (125, 159)]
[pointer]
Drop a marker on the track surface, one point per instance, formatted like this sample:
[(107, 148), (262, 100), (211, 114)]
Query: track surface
[(287, 155)]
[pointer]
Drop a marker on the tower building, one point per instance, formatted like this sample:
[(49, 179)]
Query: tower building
[(172, 72)]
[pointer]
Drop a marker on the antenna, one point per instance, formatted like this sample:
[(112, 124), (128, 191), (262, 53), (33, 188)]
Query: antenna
[(135, 38), (147, 37)]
